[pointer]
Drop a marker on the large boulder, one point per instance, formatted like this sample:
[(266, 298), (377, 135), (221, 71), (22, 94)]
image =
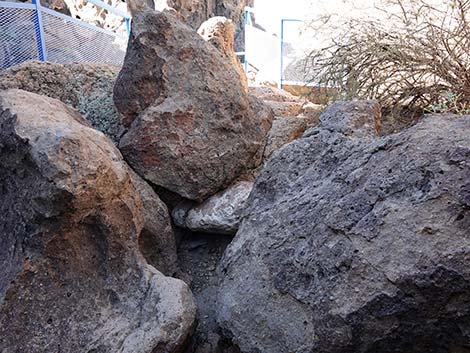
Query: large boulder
[(72, 277), (221, 213), (86, 87), (195, 12), (192, 127), (273, 94), (354, 243)]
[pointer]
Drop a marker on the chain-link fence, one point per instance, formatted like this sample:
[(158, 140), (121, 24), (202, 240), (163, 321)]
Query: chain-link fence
[(31, 32), (17, 35)]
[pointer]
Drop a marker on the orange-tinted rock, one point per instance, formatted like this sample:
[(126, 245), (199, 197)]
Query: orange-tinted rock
[(72, 278), (192, 127)]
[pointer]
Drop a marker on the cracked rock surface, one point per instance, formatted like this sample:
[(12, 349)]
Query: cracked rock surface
[(73, 278), (355, 243), (193, 129)]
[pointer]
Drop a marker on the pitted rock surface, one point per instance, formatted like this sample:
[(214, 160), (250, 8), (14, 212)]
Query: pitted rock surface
[(72, 277), (192, 127), (354, 243)]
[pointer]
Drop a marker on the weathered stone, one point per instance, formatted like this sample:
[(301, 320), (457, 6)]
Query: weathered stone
[(156, 240), (72, 278), (273, 94), (222, 212), (283, 131), (355, 244), (285, 104), (193, 129), (356, 119), (86, 87), (220, 31), (97, 16), (195, 12), (285, 109), (219, 214)]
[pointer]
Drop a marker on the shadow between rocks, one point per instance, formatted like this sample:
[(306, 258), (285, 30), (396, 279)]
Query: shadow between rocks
[(199, 255)]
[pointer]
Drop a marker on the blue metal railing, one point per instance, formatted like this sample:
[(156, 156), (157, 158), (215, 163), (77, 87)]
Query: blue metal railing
[(57, 37)]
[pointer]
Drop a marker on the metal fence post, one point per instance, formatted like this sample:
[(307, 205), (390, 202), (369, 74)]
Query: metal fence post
[(128, 26), (39, 29)]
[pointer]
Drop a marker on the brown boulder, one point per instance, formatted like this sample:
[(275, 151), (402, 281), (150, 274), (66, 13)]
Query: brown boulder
[(72, 278), (192, 128), (273, 94), (157, 240)]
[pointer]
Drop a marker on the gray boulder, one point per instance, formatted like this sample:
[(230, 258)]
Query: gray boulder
[(219, 214), (192, 127), (354, 243), (72, 278)]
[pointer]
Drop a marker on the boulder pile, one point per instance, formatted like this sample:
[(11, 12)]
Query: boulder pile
[(120, 193)]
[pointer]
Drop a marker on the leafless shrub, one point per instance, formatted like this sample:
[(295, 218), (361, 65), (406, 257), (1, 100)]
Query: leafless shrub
[(417, 59)]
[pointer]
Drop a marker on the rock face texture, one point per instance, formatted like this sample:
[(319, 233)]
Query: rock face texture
[(285, 130), (285, 104), (72, 278), (86, 87), (195, 12), (219, 214), (220, 32), (192, 127), (222, 212), (361, 119), (354, 243), (156, 240), (272, 94)]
